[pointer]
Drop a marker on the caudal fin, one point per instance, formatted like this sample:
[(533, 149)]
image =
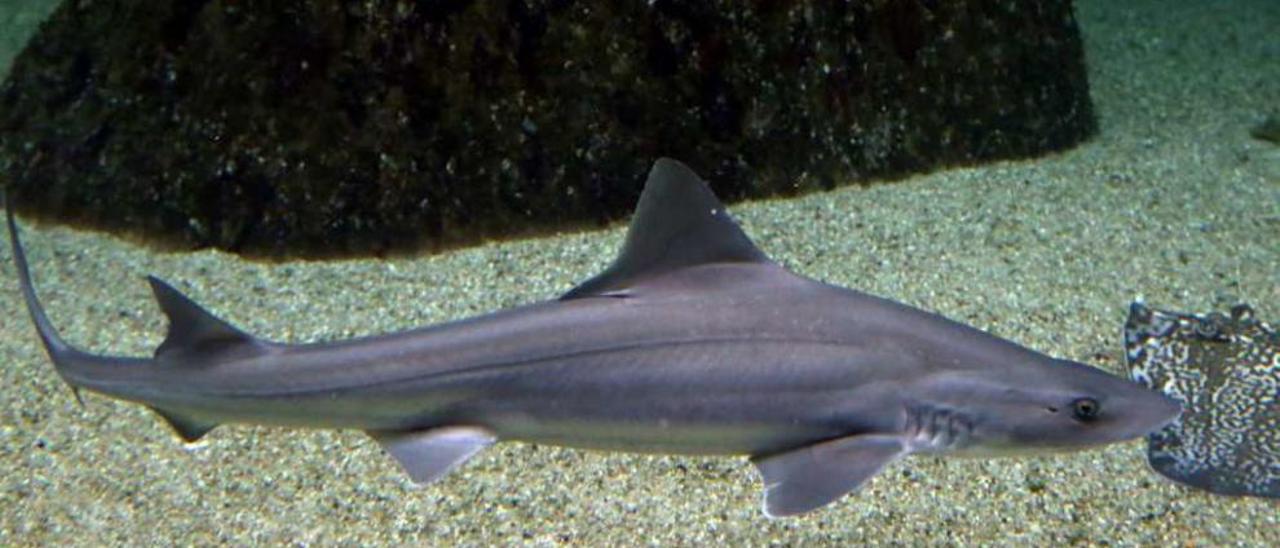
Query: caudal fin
[(59, 351), (195, 338)]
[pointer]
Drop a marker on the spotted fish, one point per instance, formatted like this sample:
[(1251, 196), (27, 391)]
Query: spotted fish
[(1225, 370)]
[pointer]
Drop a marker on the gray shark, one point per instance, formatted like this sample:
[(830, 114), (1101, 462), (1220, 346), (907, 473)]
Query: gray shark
[(692, 342)]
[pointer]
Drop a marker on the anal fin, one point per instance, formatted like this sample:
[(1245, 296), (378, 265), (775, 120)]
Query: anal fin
[(427, 455), (808, 477)]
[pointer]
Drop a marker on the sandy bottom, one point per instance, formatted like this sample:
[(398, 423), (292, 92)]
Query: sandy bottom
[(1174, 202)]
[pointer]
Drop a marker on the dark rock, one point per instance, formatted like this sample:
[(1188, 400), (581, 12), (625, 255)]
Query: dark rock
[(1267, 130), (314, 127)]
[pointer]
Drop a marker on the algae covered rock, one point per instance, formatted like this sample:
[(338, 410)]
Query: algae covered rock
[(317, 127)]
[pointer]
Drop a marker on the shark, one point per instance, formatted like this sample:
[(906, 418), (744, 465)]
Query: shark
[(692, 342)]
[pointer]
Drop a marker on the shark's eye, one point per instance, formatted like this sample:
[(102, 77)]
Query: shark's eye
[(1085, 409)]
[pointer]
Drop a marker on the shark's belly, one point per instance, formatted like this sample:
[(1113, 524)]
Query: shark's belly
[(685, 433)]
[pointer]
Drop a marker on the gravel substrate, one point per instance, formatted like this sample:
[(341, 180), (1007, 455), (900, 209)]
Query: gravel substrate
[(1174, 202)]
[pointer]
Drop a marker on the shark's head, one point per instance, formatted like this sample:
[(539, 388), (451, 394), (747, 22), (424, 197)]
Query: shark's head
[(1059, 406), (1081, 406)]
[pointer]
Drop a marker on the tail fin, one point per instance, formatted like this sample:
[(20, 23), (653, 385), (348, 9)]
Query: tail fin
[(195, 336), (59, 351)]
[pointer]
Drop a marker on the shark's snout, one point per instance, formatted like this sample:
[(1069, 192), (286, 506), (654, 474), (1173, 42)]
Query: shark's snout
[(1154, 411), (1127, 411), (1069, 406)]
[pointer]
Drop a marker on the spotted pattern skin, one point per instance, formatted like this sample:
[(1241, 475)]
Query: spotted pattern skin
[(1225, 370)]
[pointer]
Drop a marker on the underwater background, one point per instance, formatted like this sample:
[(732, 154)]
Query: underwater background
[(1174, 200)]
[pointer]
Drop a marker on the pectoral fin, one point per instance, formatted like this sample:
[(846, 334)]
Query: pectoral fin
[(809, 477), (427, 455)]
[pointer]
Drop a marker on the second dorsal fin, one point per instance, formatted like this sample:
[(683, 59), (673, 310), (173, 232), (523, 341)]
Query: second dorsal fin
[(678, 223), (194, 333)]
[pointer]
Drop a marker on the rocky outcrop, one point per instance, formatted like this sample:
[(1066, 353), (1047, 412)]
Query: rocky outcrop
[(324, 127)]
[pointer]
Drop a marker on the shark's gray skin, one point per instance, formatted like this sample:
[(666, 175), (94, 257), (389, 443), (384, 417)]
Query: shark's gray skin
[(692, 342)]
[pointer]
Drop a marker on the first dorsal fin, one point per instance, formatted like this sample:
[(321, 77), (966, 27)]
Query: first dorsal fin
[(678, 223), (194, 333)]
